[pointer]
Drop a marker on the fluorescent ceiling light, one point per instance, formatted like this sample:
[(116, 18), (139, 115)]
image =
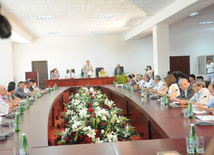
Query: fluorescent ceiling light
[(194, 14), (208, 22), (44, 17), (106, 16)]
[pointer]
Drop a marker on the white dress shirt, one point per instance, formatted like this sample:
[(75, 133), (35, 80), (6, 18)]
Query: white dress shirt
[(4, 108), (70, 75), (26, 90), (141, 83), (202, 96), (150, 84), (158, 86), (210, 68), (170, 92)]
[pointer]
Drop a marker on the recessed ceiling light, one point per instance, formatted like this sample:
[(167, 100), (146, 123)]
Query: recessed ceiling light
[(194, 14), (44, 17), (107, 16), (96, 32), (208, 22), (52, 32)]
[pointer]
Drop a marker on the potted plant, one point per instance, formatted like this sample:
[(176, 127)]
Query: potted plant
[(120, 79)]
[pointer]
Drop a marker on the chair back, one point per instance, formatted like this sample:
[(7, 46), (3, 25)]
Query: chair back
[(98, 69)]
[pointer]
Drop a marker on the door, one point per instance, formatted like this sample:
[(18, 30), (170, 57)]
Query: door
[(42, 68), (180, 63)]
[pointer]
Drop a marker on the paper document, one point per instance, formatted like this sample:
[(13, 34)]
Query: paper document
[(205, 117), (196, 111), (89, 73)]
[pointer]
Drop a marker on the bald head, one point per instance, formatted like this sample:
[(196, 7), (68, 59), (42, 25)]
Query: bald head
[(3, 90), (183, 84)]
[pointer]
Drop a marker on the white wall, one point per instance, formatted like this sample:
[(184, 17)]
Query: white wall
[(6, 61), (72, 52), (193, 44)]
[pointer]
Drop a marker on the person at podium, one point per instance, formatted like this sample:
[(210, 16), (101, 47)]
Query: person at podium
[(102, 73), (88, 70), (118, 70)]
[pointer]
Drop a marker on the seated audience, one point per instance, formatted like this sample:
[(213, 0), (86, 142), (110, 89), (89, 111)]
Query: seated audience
[(210, 104), (19, 92), (164, 89), (149, 82), (200, 78), (131, 81), (178, 75), (159, 84), (191, 78), (33, 85), (201, 96), (118, 70), (10, 95), (102, 73), (55, 74), (187, 91), (27, 86), (140, 81), (173, 90), (70, 74), (5, 105)]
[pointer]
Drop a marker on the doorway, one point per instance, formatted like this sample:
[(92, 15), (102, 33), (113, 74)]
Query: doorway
[(42, 68), (180, 63)]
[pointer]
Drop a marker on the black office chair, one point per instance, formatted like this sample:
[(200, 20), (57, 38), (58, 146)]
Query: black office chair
[(122, 68), (73, 70), (98, 69), (51, 71), (82, 73)]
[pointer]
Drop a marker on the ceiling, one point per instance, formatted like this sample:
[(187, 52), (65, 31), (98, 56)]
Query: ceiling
[(80, 17)]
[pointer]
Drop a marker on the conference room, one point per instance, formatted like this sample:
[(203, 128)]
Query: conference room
[(71, 48)]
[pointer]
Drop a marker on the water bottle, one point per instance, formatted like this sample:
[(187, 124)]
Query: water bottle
[(190, 112), (40, 93), (35, 96), (55, 87), (28, 102), (17, 122), (49, 89), (142, 93), (193, 136), (124, 87), (21, 108), (165, 99), (24, 149)]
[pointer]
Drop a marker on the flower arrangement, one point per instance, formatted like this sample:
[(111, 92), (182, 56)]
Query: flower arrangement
[(92, 118)]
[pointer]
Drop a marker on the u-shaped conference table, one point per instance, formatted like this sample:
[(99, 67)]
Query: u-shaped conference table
[(164, 129)]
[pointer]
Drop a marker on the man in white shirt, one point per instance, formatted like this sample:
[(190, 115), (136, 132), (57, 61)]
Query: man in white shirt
[(140, 80), (159, 84), (70, 74), (201, 96), (150, 83), (210, 70), (4, 103)]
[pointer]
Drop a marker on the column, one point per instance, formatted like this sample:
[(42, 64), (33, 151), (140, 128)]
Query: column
[(161, 49)]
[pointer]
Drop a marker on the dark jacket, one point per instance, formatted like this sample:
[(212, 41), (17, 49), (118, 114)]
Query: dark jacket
[(190, 93), (116, 71), (20, 93)]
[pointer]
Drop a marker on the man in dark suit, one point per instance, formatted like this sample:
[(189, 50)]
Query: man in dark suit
[(118, 70), (187, 91), (20, 91)]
